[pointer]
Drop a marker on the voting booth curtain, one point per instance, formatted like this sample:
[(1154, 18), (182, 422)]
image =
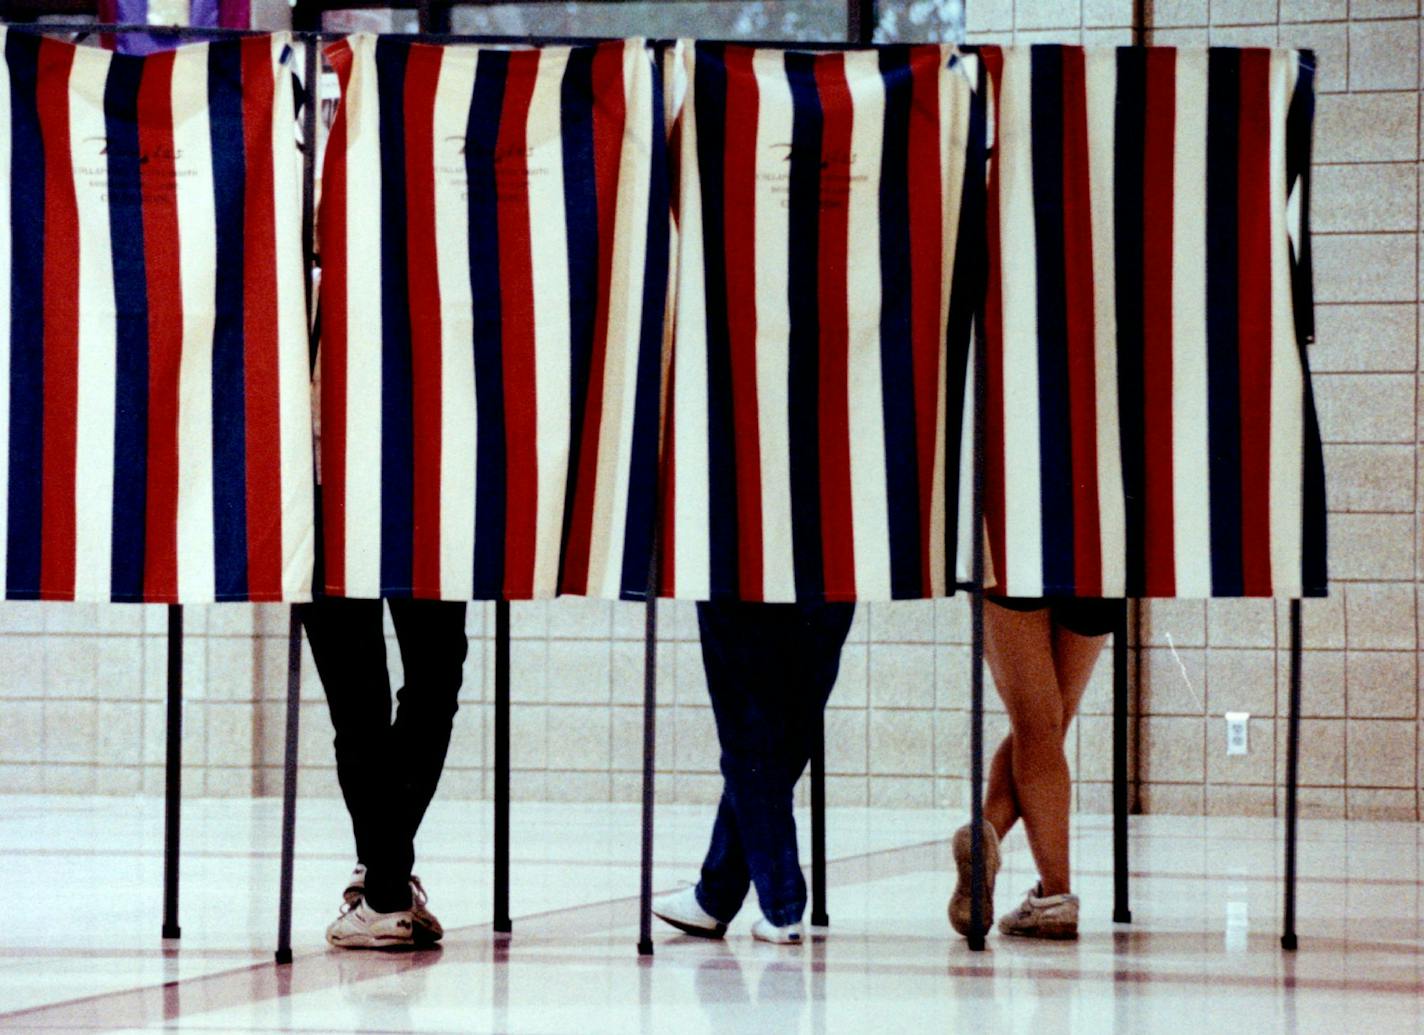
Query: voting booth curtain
[(578, 300), (828, 207), (494, 243), (1150, 425), (155, 410)]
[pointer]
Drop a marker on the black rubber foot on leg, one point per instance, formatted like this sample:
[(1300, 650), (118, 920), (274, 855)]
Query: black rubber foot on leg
[(284, 956), (172, 931), (645, 948), (820, 920), (977, 943), (1122, 916), (503, 927), (1289, 943)]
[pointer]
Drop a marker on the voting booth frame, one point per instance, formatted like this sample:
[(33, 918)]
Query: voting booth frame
[(861, 19)]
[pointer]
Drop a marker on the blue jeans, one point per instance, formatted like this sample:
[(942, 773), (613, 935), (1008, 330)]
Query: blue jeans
[(770, 669)]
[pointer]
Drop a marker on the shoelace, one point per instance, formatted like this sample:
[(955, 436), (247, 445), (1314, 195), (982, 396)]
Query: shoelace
[(418, 896)]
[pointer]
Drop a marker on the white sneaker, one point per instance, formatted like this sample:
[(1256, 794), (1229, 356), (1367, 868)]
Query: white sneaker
[(683, 911), (962, 901), (1052, 916), (765, 931), (427, 927), (361, 927)]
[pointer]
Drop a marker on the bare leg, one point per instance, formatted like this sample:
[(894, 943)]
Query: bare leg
[(1074, 658)]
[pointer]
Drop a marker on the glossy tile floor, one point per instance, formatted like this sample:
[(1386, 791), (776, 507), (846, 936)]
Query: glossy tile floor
[(81, 948)]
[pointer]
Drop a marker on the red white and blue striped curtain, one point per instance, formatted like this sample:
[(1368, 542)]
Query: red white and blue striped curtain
[(1151, 430), (827, 208), (155, 409), (494, 234)]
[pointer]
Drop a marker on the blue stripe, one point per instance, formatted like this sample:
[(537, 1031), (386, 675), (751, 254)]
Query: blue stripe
[(1129, 162), (229, 412), (967, 292), (1055, 432), (638, 543), (1314, 574), (131, 301), (803, 247), (481, 139), (27, 230), (397, 420), (897, 361), (1222, 320), (581, 223), (710, 86)]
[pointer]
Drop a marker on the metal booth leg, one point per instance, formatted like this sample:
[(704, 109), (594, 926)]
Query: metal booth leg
[(1288, 938), (650, 744), (173, 774), (819, 917), (502, 923), (289, 787), (1121, 913)]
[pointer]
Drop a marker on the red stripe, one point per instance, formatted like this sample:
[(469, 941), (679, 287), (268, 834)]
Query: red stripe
[(739, 171), (332, 230), (421, 78), (259, 326), (926, 279), (1082, 363), (516, 283), (994, 355), (837, 527), (609, 113), (1160, 146), (61, 323), (165, 325), (1254, 313)]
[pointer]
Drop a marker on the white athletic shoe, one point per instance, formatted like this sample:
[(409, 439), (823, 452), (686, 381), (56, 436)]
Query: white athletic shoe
[(683, 911), (427, 927), (962, 901), (361, 927), (1038, 916), (765, 931)]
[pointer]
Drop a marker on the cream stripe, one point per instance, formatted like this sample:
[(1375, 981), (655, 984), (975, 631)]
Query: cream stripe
[(773, 323), (955, 94), (363, 326), (197, 223), (692, 535), (549, 256), (870, 517), (1101, 77), (298, 530), (1022, 569), (1287, 375), (5, 275), (94, 448), (1191, 455), (457, 357)]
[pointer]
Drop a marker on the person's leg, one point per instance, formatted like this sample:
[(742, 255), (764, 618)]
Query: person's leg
[(725, 877), (746, 651), (350, 654), (1074, 656), (1018, 648), (433, 647)]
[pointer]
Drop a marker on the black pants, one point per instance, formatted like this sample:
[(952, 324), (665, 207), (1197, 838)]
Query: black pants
[(388, 770), (770, 669)]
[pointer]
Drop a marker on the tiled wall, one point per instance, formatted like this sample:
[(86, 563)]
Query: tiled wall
[(82, 687)]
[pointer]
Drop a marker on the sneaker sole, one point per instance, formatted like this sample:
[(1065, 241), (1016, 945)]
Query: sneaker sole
[(693, 929), (960, 903), (368, 942), (1047, 932), (778, 941)]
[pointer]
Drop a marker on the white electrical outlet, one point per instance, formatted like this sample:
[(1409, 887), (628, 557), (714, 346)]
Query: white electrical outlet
[(1238, 739)]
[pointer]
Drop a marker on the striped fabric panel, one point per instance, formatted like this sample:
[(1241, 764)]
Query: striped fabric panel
[(1151, 431), (821, 334), (494, 237), (155, 426)]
